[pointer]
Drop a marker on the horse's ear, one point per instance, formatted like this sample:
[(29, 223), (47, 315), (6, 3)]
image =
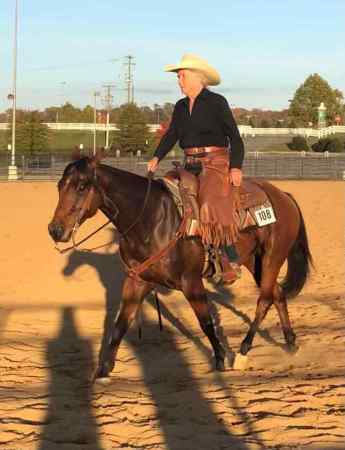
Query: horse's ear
[(76, 153), (100, 154)]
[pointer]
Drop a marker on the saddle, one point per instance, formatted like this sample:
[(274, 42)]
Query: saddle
[(252, 203), (184, 187)]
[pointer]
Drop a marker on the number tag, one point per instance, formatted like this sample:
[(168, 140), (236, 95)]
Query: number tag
[(264, 216)]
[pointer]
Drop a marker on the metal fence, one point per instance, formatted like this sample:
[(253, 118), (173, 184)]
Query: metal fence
[(262, 165)]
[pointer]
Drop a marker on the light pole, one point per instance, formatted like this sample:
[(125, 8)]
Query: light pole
[(12, 168), (96, 94), (108, 99)]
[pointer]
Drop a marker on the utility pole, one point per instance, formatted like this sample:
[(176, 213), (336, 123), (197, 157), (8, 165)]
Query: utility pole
[(96, 94), (62, 86), (108, 101), (129, 78), (12, 169)]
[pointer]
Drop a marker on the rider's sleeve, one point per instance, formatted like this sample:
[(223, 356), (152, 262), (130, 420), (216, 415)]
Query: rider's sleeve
[(231, 130), (168, 140)]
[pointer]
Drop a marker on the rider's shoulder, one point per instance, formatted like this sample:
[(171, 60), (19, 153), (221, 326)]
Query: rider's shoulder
[(181, 101), (215, 96)]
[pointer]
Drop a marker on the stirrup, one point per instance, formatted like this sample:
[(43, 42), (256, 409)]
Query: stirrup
[(231, 271)]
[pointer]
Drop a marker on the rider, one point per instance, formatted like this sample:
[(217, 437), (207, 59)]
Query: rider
[(203, 124)]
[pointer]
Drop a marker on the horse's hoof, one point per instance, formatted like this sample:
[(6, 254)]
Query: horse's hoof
[(292, 349), (240, 362), (102, 380), (245, 347), (102, 372), (220, 366)]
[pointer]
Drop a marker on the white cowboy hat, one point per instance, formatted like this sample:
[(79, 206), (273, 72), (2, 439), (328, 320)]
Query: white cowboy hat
[(190, 61)]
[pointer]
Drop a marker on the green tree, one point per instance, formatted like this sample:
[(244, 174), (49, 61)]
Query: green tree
[(31, 134), (51, 114), (329, 144), (87, 114), (299, 144), (307, 98), (133, 133), (69, 113)]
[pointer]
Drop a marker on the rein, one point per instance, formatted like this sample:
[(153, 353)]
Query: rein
[(135, 271)]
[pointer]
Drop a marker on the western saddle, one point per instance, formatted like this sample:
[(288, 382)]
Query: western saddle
[(183, 187)]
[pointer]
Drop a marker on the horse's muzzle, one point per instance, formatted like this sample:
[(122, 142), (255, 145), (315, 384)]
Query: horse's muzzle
[(56, 231)]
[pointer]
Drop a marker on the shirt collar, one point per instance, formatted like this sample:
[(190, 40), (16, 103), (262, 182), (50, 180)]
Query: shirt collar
[(202, 94)]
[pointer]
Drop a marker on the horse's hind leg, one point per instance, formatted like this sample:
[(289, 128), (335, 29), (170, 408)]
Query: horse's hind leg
[(133, 293), (271, 292), (268, 283), (263, 305), (194, 291), (279, 300)]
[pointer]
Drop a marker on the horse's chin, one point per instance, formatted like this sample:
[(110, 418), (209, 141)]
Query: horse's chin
[(66, 236)]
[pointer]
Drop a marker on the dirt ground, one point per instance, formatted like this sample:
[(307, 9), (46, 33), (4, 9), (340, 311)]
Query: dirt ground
[(163, 393)]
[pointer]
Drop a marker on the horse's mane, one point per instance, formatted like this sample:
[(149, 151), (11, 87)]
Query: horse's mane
[(125, 177), (131, 177)]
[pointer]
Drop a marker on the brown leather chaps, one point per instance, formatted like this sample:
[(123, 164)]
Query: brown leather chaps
[(219, 223)]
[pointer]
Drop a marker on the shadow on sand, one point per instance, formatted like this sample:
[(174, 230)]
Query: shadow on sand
[(69, 420), (186, 417)]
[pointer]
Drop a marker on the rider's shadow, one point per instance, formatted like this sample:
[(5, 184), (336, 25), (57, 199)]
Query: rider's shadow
[(110, 271), (69, 420)]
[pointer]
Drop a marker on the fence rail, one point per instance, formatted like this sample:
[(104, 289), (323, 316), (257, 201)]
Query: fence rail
[(245, 130), (261, 165)]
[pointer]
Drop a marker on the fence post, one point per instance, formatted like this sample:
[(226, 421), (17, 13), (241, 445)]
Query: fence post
[(302, 159), (52, 164), (23, 167)]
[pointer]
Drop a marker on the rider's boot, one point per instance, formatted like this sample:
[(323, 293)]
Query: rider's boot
[(230, 265)]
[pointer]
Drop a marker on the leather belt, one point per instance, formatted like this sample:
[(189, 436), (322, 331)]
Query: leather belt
[(203, 151)]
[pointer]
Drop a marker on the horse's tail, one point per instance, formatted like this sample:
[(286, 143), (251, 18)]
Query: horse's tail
[(299, 260)]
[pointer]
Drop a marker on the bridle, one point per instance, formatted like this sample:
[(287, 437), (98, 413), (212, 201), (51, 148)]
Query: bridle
[(106, 200)]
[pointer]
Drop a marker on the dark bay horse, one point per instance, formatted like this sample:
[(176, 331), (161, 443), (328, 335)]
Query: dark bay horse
[(87, 185)]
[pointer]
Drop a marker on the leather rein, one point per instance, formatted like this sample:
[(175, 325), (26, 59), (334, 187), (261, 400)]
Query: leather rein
[(135, 271)]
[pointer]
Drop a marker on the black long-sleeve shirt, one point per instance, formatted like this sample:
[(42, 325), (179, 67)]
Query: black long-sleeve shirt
[(210, 124)]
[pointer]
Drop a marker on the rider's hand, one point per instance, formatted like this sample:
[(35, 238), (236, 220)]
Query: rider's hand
[(236, 176), (152, 164)]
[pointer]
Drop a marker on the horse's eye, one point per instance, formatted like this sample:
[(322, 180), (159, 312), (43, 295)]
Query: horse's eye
[(82, 187)]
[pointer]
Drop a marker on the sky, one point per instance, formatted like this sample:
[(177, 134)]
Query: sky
[(263, 49)]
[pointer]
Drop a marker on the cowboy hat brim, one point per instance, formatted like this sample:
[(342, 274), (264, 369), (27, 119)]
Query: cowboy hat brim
[(210, 73)]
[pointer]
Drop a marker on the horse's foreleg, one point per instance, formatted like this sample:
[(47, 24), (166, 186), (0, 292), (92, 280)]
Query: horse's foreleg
[(281, 306), (194, 291), (133, 292)]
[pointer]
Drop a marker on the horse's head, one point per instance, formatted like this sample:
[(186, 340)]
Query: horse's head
[(79, 197)]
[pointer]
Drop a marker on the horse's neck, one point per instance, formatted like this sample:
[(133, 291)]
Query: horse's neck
[(126, 192), (158, 220)]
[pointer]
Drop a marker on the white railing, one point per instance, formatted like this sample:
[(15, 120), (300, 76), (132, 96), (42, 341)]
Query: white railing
[(62, 126), (245, 130)]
